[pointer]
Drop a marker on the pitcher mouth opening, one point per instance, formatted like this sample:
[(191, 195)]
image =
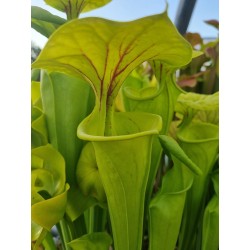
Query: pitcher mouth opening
[(127, 125), (196, 133)]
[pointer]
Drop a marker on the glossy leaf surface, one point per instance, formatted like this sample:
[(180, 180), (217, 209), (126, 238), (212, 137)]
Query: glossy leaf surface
[(124, 162), (66, 101), (105, 52), (122, 174), (94, 241)]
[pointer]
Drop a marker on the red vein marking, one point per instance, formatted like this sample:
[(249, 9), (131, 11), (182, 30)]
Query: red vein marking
[(91, 63), (133, 40), (78, 8), (65, 6), (70, 8), (104, 73), (161, 72), (119, 72), (121, 56), (126, 51)]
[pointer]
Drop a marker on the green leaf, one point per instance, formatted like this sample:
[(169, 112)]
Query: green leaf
[(166, 208), (215, 180), (35, 74), (197, 134), (42, 180), (39, 133), (124, 162), (48, 212), (94, 241), (66, 101), (198, 101), (77, 203), (94, 4), (201, 143), (210, 232), (44, 15), (44, 22), (74, 7), (105, 52), (35, 94), (54, 164), (118, 46), (199, 107), (126, 125), (210, 227), (140, 89), (171, 146), (49, 243), (36, 245), (48, 190), (36, 231), (124, 168), (158, 96), (88, 177)]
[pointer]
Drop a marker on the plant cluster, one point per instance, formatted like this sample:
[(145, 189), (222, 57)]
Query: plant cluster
[(122, 158)]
